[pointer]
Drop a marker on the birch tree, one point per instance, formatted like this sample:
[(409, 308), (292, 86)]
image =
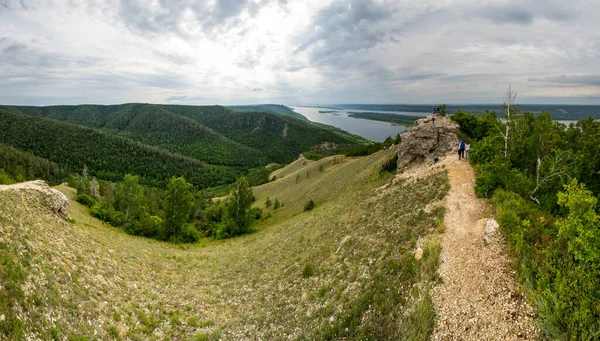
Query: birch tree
[(508, 100)]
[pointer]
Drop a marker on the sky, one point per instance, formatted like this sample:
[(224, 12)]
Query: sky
[(304, 52)]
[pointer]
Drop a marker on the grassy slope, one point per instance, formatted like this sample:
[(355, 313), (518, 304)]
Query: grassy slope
[(344, 269)]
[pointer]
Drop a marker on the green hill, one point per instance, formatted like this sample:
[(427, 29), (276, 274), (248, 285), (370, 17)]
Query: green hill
[(105, 155), (277, 109), (213, 134), (331, 273)]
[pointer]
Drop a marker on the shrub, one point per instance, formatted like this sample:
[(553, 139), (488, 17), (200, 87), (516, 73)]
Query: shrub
[(85, 199), (255, 213), (312, 155), (308, 270), (187, 234), (390, 165), (268, 202), (309, 205)]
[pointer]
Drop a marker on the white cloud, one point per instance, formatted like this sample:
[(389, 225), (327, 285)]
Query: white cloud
[(297, 51)]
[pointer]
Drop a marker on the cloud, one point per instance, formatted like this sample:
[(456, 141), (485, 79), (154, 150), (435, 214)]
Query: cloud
[(578, 80), (525, 12), (186, 17), (297, 51), (347, 27)]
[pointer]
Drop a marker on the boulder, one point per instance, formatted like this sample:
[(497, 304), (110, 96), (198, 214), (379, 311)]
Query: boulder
[(491, 228), (430, 137), (59, 203)]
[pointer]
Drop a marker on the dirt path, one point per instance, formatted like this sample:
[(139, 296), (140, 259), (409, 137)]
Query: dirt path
[(478, 299)]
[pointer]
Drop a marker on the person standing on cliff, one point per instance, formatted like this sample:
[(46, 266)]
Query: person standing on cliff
[(461, 149), (467, 148)]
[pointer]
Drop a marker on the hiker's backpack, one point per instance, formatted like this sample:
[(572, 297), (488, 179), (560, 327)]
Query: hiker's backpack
[(462, 145)]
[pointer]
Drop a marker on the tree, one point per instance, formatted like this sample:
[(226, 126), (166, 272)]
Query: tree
[(508, 100), (443, 110), (241, 199), (178, 206), (130, 197), (268, 202)]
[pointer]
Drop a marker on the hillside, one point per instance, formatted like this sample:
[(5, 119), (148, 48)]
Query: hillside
[(105, 155), (330, 273), (212, 134), (277, 109)]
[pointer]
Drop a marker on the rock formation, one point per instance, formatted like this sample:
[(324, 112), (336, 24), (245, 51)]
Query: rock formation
[(429, 137), (55, 200)]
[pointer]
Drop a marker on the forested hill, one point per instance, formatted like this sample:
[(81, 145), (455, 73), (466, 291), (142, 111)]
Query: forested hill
[(213, 134), (105, 155), (277, 109)]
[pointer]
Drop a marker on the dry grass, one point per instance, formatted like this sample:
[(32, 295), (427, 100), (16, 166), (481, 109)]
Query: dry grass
[(342, 270)]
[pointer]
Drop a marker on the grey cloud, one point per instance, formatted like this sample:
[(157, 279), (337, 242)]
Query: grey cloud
[(525, 12), (257, 89), (586, 80), (184, 99), (251, 58), (347, 26), (17, 54), (167, 18)]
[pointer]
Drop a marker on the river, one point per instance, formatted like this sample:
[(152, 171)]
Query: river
[(372, 130)]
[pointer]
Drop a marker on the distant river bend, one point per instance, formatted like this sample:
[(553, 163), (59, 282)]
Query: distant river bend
[(372, 130)]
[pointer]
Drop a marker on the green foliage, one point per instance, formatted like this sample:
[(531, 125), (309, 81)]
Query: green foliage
[(309, 205), (553, 234), (268, 202), (130, 197), (499, 174), (312, 155), (277, 204), (363, 150), (390, 165), (106, 156), (178, 206), (475, 126), (17, 166), (308, 270), (443, 110), (85, 199), (241, 199), (390, 118)]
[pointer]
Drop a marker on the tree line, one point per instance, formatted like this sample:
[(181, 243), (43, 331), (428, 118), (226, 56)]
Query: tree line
[(543, 178), (179, 213), (18, 166)]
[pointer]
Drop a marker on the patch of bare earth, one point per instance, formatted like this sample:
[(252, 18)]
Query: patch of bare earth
[(478, 298)]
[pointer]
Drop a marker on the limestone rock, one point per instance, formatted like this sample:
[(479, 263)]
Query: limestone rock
[(60, 203), (55, 200), (418, 253), (428, 138), (491, 227)]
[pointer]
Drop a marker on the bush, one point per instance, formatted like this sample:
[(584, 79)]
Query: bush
[(312, 155), (85, 199), (187, 234), (309, 205), (390, 165), (255, 213), (499, 174), (308, 270)]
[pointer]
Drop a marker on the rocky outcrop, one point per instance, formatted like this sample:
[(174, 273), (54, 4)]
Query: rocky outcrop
[(430, 137), (55, 200)]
